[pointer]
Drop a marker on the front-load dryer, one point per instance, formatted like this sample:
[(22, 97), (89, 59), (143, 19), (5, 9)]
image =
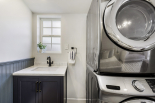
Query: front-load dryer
[(120, 52)]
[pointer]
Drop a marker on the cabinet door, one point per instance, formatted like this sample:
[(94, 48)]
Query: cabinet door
[(92, 88), (50, 89), (27, 90)]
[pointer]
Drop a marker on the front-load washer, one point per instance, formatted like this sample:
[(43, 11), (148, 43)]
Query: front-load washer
[(120, 52), (119, 89)]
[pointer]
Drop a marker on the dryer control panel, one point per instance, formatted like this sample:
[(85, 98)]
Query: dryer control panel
[(151, 83)]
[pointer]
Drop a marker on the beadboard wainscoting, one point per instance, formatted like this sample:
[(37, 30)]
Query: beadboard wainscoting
[(6, 79)]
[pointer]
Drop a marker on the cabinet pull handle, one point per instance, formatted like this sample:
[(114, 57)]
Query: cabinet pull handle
[(39, 87), (36, 86)]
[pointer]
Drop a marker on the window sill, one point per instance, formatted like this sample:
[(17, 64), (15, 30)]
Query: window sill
[(47, 52)]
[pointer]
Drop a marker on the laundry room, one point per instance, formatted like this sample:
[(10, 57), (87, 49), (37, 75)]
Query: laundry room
[(77, 51)]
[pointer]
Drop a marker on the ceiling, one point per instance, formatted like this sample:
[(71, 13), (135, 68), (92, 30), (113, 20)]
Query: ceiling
[(58, 6)]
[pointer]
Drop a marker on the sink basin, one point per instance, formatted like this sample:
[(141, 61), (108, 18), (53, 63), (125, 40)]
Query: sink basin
[(46, 69)]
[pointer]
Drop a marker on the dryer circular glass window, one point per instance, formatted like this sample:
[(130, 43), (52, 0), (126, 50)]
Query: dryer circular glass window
[(135, 19), (138, 100)]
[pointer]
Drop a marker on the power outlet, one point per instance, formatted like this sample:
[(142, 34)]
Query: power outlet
[(66, 46)]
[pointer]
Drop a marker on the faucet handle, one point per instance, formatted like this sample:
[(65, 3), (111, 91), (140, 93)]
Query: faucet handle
[(47, 62), (52, 62), (48, 57)]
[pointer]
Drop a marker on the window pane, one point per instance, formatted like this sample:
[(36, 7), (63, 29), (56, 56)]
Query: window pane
[(56, 40), (56, 23), (48, 47), (56, 31), (46, 31), (56, 47), (46, 23), (46, 39)]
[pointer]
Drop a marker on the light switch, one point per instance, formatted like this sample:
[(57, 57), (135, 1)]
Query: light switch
[(66, 46)]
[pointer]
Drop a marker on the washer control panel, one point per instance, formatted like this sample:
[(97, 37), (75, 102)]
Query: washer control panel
[(151, 83)]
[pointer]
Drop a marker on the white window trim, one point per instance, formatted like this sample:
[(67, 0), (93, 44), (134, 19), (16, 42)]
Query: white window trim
[(45, 17)]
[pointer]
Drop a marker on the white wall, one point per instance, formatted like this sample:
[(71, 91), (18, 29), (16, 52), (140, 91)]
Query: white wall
[(74, 34), (15, 30)]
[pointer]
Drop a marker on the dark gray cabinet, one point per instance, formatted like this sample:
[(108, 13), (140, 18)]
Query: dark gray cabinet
[(27, 91), (92, 88), (43, 89), (49, 89)]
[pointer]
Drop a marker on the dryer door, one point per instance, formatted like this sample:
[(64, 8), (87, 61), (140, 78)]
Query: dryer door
[(138, 100), (131, 23)]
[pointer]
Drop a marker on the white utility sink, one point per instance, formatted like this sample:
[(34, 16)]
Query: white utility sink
[(46, 69)]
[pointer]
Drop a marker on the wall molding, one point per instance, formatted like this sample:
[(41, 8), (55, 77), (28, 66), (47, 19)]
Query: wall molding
[(14, 61)]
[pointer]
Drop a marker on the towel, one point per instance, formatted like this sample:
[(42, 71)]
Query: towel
[(71, 57)]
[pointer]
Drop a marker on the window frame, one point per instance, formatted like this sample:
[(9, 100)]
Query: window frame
[(41, 33)]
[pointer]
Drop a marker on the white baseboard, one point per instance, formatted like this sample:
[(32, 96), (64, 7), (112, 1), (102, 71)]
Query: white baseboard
[(74, 100)]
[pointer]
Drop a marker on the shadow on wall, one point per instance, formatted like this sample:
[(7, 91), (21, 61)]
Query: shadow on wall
[(75, 78)]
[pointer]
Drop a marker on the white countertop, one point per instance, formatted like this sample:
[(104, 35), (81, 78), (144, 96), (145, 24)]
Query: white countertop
[(44, 71)]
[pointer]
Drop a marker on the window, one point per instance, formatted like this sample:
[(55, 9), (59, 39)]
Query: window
[(51, 34)]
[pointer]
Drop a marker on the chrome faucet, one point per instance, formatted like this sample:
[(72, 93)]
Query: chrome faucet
[(49, 62)]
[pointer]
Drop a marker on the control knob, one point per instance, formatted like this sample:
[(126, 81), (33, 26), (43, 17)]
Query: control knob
[(138, 85)]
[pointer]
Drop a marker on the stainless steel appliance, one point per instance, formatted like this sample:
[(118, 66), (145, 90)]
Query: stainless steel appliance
[(120, 51)]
